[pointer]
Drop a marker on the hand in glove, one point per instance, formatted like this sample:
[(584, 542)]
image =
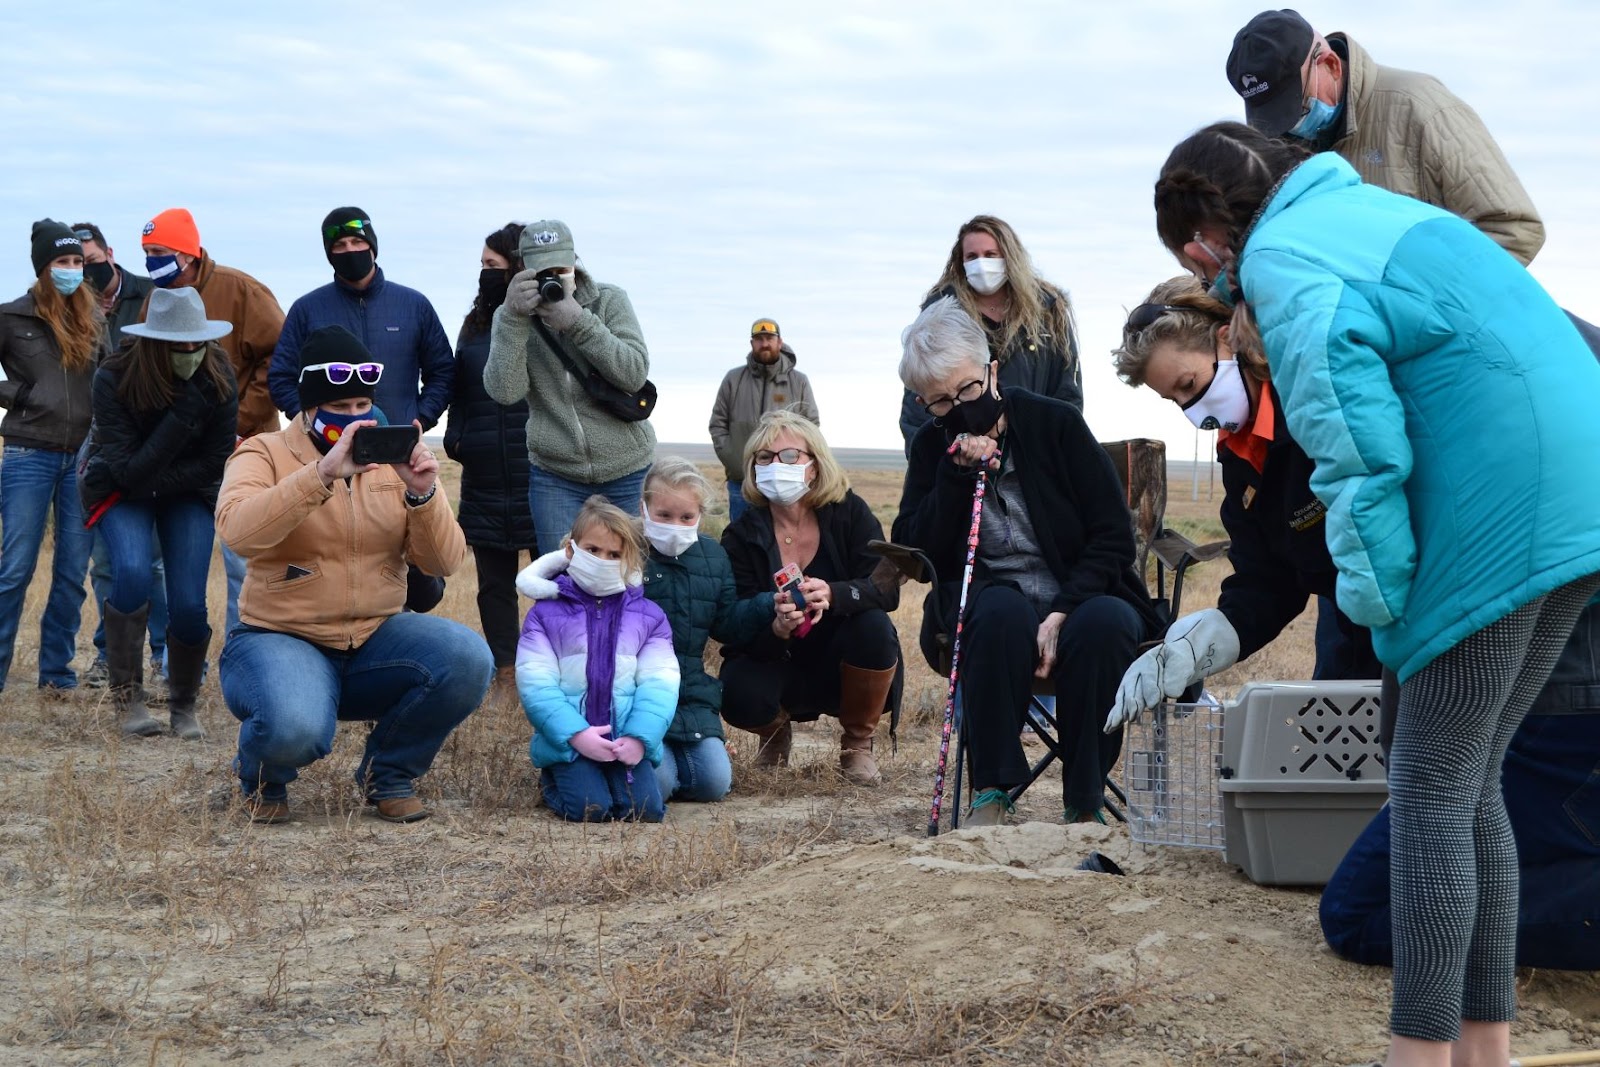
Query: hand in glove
[(522, 295), (561, 314), (1196, 646), (594, 744)]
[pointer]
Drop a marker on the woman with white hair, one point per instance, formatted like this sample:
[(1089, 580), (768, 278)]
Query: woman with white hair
[(1054, 593)]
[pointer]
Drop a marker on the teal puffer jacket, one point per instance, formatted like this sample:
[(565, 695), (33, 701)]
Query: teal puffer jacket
[(696, 592), (1448, 402)]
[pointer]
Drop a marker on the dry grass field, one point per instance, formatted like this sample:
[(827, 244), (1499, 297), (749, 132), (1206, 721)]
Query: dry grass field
[(802, 921)]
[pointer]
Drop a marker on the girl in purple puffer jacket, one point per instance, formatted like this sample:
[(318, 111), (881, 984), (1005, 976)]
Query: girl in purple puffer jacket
[(596, 672)]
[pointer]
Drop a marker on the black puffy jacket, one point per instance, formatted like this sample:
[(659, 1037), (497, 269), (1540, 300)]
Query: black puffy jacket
[(179, 450), (489, 440)]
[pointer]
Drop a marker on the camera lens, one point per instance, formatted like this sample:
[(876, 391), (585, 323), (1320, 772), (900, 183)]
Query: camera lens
[(550, 290)]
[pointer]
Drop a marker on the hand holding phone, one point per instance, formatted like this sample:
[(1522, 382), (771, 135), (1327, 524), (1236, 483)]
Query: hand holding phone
[(787, 581), (384, 444)]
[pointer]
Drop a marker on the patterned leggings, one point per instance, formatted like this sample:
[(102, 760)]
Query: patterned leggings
[(1453, 879)]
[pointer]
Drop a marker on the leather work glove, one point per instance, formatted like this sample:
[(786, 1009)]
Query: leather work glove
[(522, 295), (1196, 646)]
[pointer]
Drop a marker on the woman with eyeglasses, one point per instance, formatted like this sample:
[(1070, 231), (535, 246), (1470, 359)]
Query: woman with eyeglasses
[(165, 414), (832, 648), (1026, 320), (1054, 593), (50, 339), (1448, 405), (1180, 344), (322, 633)]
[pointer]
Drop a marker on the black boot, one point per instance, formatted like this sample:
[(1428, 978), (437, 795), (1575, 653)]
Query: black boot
[(125, 669), (186, 666)]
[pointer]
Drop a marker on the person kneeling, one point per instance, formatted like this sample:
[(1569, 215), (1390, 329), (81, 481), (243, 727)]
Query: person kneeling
[(596, 673), (323, 635)]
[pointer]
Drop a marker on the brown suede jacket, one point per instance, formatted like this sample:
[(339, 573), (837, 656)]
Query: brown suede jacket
[(326, 564)]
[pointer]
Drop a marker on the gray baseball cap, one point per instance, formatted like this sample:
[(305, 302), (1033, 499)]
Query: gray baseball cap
[(546, 244)]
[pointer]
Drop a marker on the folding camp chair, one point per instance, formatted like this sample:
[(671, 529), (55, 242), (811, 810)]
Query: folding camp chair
[(1141, 466)]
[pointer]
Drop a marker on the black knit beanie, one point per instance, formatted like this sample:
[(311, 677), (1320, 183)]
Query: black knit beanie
[(335, 226), (52, 239), (331, 344)]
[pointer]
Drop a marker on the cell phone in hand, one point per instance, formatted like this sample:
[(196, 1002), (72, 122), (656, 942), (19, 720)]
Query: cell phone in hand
[(788, 581), (384, 444)]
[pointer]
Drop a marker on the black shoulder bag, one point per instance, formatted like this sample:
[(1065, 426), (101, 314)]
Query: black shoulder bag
[(629, 407)]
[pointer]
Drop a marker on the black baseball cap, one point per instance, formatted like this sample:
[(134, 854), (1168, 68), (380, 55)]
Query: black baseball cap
[(1264, 69)]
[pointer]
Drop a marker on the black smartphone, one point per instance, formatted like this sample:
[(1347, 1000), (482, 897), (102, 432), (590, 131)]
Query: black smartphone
[(384, 444)]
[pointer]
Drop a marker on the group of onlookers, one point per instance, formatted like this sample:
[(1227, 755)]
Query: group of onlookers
[(1351, 325)]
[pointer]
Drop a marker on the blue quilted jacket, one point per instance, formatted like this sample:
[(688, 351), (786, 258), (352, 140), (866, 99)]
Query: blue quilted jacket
[(1448, 402)]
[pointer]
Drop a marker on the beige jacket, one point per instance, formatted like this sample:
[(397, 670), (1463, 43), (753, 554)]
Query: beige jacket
[(1409, 134), (326, 564)]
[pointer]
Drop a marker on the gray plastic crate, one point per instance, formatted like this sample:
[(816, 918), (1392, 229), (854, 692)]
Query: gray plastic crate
[(1302, 775)]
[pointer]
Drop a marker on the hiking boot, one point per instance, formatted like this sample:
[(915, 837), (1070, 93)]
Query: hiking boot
[(97, 676), (56, 691), (401, 809), (777, 739), (862, 697), (268, 811), (989, 808), (125, 670), (187, 664), (156, 691)]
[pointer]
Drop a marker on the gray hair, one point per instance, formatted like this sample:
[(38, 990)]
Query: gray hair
[(943, 340)]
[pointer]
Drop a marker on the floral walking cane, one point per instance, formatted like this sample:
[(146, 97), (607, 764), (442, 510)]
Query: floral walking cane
[(955, 644)]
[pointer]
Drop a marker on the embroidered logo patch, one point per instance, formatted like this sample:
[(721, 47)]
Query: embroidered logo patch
[(150, 227), (545, 237)]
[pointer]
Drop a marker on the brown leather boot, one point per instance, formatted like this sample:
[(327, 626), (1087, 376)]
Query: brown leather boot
[(504, 685), (862, 696), (777, 738)]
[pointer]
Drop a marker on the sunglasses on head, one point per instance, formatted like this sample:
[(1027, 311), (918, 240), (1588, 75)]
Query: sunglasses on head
[(353, 228), (340, 373), (1145, 316)]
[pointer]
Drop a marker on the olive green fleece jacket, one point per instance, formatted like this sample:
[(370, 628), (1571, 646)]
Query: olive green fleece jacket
[(569, 435)]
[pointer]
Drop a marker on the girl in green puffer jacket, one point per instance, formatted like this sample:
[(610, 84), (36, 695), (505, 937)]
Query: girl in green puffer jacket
[(688, 575)]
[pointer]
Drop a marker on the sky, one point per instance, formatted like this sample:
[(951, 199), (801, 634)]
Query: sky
[(723, 161)]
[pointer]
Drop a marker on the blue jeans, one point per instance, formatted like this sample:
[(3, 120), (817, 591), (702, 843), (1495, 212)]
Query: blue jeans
[(419, 676), (737, 504), (1551, 783), (235, 566), (586, 791), (178, 530), (555, 502), (695, 770), (100, 580), (32, 480)]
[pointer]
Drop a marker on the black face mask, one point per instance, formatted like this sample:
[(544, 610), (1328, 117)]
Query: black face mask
[(492, 285), (976, 417), (352, 266), (100, 274)]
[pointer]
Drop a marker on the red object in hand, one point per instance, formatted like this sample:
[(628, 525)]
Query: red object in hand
[(788, 581), (101, 508)]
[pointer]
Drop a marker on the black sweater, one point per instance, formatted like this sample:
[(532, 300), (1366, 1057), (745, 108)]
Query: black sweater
[(490, 442)]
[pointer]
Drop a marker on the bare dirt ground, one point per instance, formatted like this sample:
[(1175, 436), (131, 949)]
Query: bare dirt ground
[(801, 921)]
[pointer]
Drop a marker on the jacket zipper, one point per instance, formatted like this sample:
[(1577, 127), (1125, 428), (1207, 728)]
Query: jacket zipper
[(350, 504)]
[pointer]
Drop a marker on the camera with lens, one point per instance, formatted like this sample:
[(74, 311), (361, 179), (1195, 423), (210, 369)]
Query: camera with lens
[(551, 290)]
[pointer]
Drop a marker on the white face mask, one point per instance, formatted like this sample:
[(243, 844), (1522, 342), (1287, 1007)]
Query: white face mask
[(783, 483), (595, 576), (670, 540), (1225, 404), (986, 274)]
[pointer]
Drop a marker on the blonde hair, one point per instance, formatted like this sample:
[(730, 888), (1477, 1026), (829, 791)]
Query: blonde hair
[(598, 511), (1036, 307), (75, 321), (1193, 327), (831, 483), (677, 475)]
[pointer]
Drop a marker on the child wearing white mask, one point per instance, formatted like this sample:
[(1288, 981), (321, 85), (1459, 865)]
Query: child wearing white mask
[(596, 672)]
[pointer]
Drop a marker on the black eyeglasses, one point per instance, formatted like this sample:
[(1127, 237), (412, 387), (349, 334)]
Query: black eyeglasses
[(1145, 316), (339, 373), (353, 228), (789, 456), (965, 395)]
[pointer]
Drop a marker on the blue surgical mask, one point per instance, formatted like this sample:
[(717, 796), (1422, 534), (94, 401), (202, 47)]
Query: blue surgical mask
[(66, 279), (1319, 117), (163, 270)]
